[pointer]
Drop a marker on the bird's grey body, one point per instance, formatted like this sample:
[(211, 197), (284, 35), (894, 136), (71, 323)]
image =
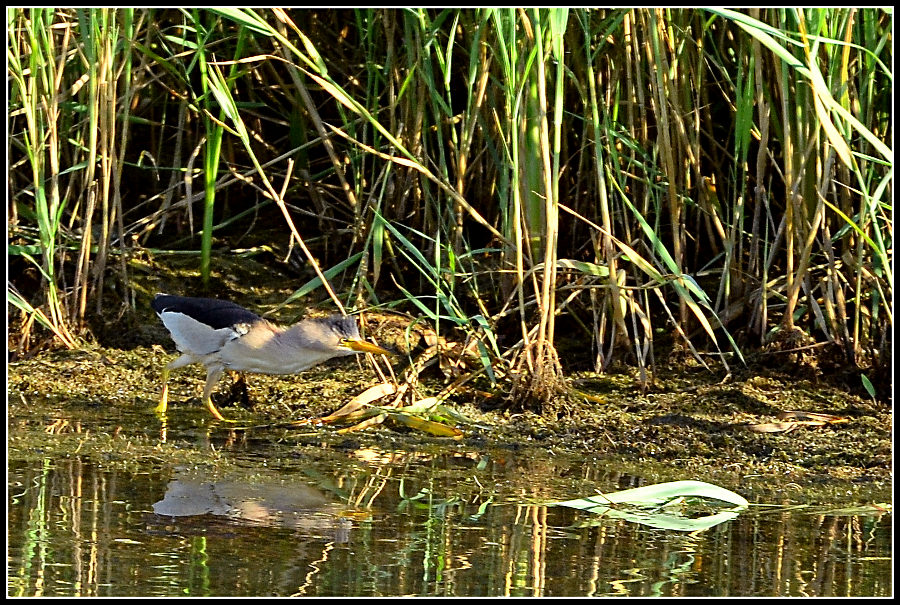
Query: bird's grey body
[(221, 333), (224, 336)]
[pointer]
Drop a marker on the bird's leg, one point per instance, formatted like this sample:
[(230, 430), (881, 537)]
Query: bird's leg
[(164, 394), (212, 377)]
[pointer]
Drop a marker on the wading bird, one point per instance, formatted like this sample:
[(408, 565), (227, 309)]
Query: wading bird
[(224, 336)]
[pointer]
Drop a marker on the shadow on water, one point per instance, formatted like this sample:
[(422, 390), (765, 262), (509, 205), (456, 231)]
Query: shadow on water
[(317, 514)]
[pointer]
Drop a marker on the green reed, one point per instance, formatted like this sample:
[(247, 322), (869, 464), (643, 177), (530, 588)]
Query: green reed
[(721, 179)]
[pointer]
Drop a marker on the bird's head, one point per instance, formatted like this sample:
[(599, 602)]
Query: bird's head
[(338, 334)]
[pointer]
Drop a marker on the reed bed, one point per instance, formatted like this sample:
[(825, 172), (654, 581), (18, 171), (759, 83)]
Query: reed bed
[(712, 180)]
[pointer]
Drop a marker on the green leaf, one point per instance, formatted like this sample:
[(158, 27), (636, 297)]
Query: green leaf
[(867, 384), (645, 505), (316, 282), (658, 494)]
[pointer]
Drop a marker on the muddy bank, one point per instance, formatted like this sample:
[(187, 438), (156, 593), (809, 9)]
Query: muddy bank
[(691, 424)]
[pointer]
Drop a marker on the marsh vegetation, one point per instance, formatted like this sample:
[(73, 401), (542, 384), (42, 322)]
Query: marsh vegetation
[(622, 185)]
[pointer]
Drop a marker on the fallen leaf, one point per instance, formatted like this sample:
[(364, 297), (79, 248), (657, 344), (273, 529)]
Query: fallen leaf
[(366, 397), (812, 416)]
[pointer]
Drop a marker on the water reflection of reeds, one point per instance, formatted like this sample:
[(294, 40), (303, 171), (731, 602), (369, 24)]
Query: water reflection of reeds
[(417, 524)]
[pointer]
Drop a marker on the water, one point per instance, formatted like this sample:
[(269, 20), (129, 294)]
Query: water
[(280, 514)]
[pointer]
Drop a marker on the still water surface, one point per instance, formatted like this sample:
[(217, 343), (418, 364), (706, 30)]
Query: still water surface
[(338, 516)]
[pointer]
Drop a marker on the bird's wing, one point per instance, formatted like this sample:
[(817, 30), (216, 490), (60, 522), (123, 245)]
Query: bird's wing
[(196, 338)]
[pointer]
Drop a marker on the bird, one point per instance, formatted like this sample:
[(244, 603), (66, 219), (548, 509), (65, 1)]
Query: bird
[(222, 335)]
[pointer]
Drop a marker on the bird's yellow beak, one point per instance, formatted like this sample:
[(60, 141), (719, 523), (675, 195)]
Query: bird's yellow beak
[(361, 346)]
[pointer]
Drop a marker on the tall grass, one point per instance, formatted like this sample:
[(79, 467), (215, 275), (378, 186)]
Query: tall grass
[(64, 69), (718, 179)]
